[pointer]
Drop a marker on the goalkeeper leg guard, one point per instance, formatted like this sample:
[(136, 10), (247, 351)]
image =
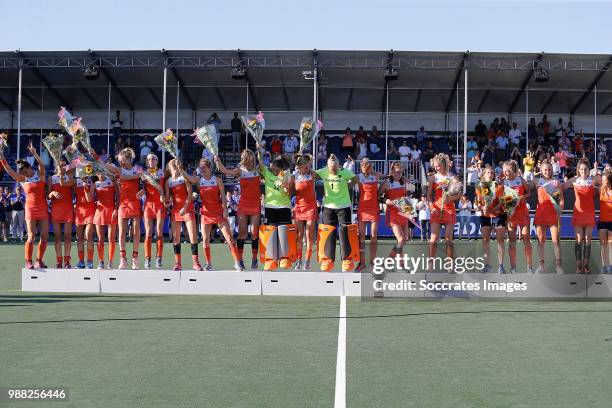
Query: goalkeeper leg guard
[(326, 247), (287, 245), (268, 246), (349, 246)]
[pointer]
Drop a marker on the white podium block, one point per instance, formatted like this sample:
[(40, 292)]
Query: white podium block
[(549, 285), (60, 280), (599, 286), (220, 283), (490, 284), (440, 278), (140, 281), (302, 283), (352, 283)]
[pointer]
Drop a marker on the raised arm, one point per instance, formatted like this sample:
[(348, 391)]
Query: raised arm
[(14, 175), (41, 164), (228, 172)]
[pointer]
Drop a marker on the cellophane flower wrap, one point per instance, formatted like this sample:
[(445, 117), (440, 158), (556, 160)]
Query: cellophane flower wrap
[(510, 200), (150, 176), (54, 143), (449, 187), (68, 122), (3, 142), (169, 142), (486, 191), (309, 129), (255, 125), (207, 136), (81, 135), (406, 206), (554, 194)]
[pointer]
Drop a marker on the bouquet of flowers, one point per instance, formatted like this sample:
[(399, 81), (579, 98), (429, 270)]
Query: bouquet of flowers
[(449, 186), (554, 194), (3, 144), (510, 200), (169, 142), (255, 125), (91, 168), (67, 121), (308, 131), (54, 144), (406, 206), (486, 191), (283, 179), (74, 157), (150, 176), (81, 134), (207, 136)]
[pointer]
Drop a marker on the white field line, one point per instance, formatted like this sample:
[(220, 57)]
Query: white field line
[(340, 399)]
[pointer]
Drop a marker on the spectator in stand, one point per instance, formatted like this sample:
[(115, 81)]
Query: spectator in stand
[(516, 154), (375, 140), (488, 154), (348, 145), (561, 158), (556, 169), (564, 143), (424, 217), (495, 125), (570, 129), (481, 133), (5, 213), (232, 210), (465, 213), (415, 153), (602, 153), (276, 147), (215, 120), (540, 134), (361, 135), (428, 154), (559, 129), (392, 153), (491, 134), (146, 146), (349, 164), (291, 143), (362, 149), (546, 125), (504, 126), (532, 131), (117, 123), (118, 145), (404, 152), (502, 144), (103, 156), (515, 135), (322, 147), (236, 125), (128, 143), (18, 200), (472, 148), (579, 143), (421, 137), (528, 166), (267, 159)]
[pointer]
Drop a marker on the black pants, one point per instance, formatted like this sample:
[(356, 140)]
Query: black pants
[(333, 216), (277, 216)]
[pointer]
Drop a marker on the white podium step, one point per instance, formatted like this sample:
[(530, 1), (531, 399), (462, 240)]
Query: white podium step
[(302, 283), (599, 286), (140, 281), (220, 283), (60, 280)]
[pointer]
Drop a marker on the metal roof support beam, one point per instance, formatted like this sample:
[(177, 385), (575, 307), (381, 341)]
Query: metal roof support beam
[(46, 84), (466, 55), (482, 101), (249, 85), (108, 78), (155, 97), (418, 99), (525, 83), (606, 109), (350, 99), (220, 96), (591, 87), (31, 98), (548, 101), (190, 101), (6, 104)]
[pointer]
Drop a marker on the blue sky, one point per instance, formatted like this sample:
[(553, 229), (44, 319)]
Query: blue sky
[(506, 26)]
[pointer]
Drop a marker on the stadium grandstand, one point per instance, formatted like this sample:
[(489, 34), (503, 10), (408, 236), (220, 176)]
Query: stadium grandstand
[(387, 106)]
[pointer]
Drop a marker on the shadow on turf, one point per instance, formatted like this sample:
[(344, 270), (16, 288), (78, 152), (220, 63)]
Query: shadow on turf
[(136, 319)]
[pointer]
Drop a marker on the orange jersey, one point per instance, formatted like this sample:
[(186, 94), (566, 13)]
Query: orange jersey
[(305, 195), (179, 194), (210, 194), (81, 187), (368, 192), (584, 191), (65, 201), (439, 182), (129, 188), (546, 213), (152, 194), (36, 207), (605, 205), (105, 194), (250, 189)]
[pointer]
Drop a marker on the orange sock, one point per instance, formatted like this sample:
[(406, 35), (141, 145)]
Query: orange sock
[(67, 259), (58, 259), (207, 254), (29, 249), (42, 247), (111, 251), (90, 253), (234, 251), (81, 255), (101, 251), (160, 247), (147, 246)]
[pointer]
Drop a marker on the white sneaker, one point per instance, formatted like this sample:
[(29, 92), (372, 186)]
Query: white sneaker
[(147, 263), (298, 265), (512, 269), (306, 265), (134, 263), (122, 263), (109, 265), (559, 270), (540, 269), (530, 269), (101, 265), (158, 262)]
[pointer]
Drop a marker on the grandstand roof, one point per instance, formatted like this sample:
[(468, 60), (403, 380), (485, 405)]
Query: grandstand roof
[(351, 80)]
